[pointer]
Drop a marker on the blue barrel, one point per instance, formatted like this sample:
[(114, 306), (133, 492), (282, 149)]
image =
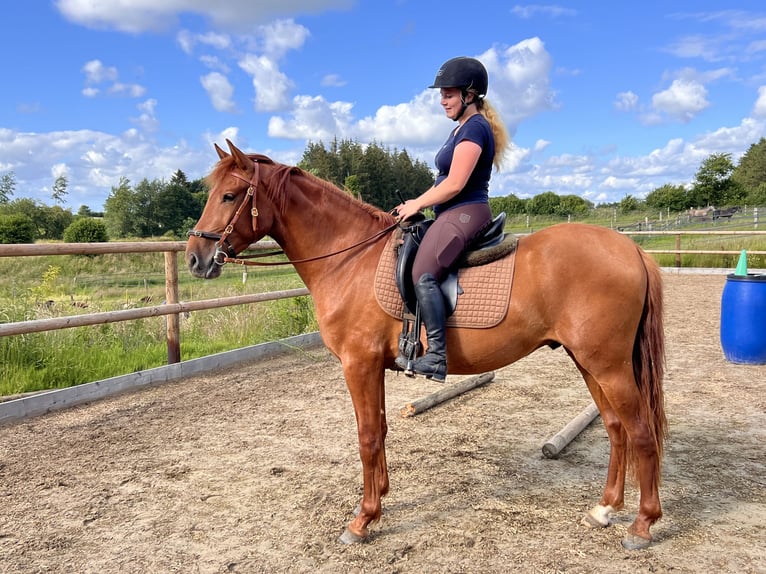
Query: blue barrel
[(743, 319)]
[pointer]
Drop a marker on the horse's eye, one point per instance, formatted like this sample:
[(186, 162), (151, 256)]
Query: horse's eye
[(228, 197)]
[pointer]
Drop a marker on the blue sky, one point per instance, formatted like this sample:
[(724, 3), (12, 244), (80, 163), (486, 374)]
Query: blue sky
[(602, 99)]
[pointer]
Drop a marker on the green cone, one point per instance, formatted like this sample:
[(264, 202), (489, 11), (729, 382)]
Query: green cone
[(741, 264)]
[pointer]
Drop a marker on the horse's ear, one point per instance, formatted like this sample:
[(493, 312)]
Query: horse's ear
[(221, 154), (243, 162)]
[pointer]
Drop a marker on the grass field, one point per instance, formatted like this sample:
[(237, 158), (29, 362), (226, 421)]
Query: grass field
[(44, 287), (55, 286)]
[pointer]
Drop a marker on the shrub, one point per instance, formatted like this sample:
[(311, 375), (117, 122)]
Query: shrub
[(86, 230), (16, 228)]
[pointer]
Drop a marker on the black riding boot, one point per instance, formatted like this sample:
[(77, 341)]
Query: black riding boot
[(434, 363)]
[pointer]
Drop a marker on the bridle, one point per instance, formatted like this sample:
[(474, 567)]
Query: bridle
[(220, 257), (229, 255)]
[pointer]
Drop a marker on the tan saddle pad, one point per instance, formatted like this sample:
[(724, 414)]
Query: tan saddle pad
[(486, 290)]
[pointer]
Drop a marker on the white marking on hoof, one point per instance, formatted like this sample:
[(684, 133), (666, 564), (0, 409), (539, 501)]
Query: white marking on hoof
[(597, 517)]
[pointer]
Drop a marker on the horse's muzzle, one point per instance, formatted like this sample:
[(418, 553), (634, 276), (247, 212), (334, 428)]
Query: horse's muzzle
[(202, 269)]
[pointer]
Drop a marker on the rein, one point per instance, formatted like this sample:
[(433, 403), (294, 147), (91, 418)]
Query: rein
[(222, 257), (246, 260)]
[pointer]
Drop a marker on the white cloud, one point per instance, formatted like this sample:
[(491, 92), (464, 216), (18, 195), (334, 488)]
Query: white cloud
[(214, 63), (147, 120), (130, 90), (697, 46), (59, 170), (683, 100), (333, 81), (188, 40), (759, 109), (281, 36), (96, 72), (528, 11), (152, 15), (272, 87), (521, 73), (612, 183), (313, 118), (419, 121), (626, 101), (220, 91), (756, 47)]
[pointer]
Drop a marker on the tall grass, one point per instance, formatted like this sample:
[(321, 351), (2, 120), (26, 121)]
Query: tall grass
[(44, 287)]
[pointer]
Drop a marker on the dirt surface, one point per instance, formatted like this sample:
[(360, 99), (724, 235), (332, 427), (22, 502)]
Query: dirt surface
[(256, 470)]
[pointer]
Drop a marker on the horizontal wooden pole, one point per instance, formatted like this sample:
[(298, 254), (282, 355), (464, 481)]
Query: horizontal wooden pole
[(56, 323), (38, 249), (445, 394), (554, 445)]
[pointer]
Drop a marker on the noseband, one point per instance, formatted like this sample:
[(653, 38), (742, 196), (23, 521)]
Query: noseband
[(222, 239)]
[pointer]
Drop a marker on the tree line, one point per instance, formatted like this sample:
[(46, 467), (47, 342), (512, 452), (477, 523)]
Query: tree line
[(372, 173)]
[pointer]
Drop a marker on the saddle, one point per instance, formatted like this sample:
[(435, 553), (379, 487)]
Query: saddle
[(490, 245)]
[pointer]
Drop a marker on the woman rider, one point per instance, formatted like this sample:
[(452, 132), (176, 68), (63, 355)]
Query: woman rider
[(459, 197)]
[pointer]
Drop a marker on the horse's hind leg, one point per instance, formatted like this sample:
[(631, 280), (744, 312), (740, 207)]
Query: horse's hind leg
[(613, 497), (632, 442)]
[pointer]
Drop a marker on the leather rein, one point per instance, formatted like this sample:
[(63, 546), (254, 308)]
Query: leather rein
[(229, 255)]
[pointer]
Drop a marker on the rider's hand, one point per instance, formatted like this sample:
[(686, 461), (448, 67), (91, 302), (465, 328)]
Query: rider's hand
[(406, 210)]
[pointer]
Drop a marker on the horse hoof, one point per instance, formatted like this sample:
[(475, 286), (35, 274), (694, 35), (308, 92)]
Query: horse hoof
[(635, 542), (597, 517), (349, 537), (591, 522)]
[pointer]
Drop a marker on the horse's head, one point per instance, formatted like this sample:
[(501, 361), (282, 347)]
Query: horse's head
[(233, 217)]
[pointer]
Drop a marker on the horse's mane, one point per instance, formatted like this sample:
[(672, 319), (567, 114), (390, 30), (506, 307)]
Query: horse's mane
[(330, 187), (277, 192)]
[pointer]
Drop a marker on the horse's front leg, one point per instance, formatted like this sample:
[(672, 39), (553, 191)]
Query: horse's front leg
[(365, 381)]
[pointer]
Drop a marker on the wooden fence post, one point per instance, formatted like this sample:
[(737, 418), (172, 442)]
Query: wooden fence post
[(171, 296)]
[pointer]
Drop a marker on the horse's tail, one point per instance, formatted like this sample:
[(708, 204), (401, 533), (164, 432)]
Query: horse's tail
[(649, 359)]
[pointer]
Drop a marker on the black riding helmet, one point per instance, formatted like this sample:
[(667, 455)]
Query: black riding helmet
[(468, 74)]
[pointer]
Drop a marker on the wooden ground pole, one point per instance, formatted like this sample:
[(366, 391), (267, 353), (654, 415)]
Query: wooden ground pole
[(445, 394), (554, 445)]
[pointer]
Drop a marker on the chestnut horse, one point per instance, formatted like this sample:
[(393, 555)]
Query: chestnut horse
[(586, 288)]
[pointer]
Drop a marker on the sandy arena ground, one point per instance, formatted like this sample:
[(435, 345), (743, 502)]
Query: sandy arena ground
[(256, 470)]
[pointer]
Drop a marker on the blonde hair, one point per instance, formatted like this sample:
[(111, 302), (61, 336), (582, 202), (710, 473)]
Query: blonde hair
[(502, 140)]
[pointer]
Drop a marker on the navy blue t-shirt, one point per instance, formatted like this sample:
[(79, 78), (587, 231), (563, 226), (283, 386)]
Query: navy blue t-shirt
[(476, 190)]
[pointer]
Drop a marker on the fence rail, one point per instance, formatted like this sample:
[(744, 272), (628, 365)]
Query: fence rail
[(678, 234), (172, 308)]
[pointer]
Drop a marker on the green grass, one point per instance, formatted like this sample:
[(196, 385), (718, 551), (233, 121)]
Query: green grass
[(46, 287)]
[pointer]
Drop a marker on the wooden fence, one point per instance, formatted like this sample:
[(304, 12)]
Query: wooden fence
[(173, 308)]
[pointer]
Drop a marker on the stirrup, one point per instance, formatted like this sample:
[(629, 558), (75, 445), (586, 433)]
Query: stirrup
[(436, 368)]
